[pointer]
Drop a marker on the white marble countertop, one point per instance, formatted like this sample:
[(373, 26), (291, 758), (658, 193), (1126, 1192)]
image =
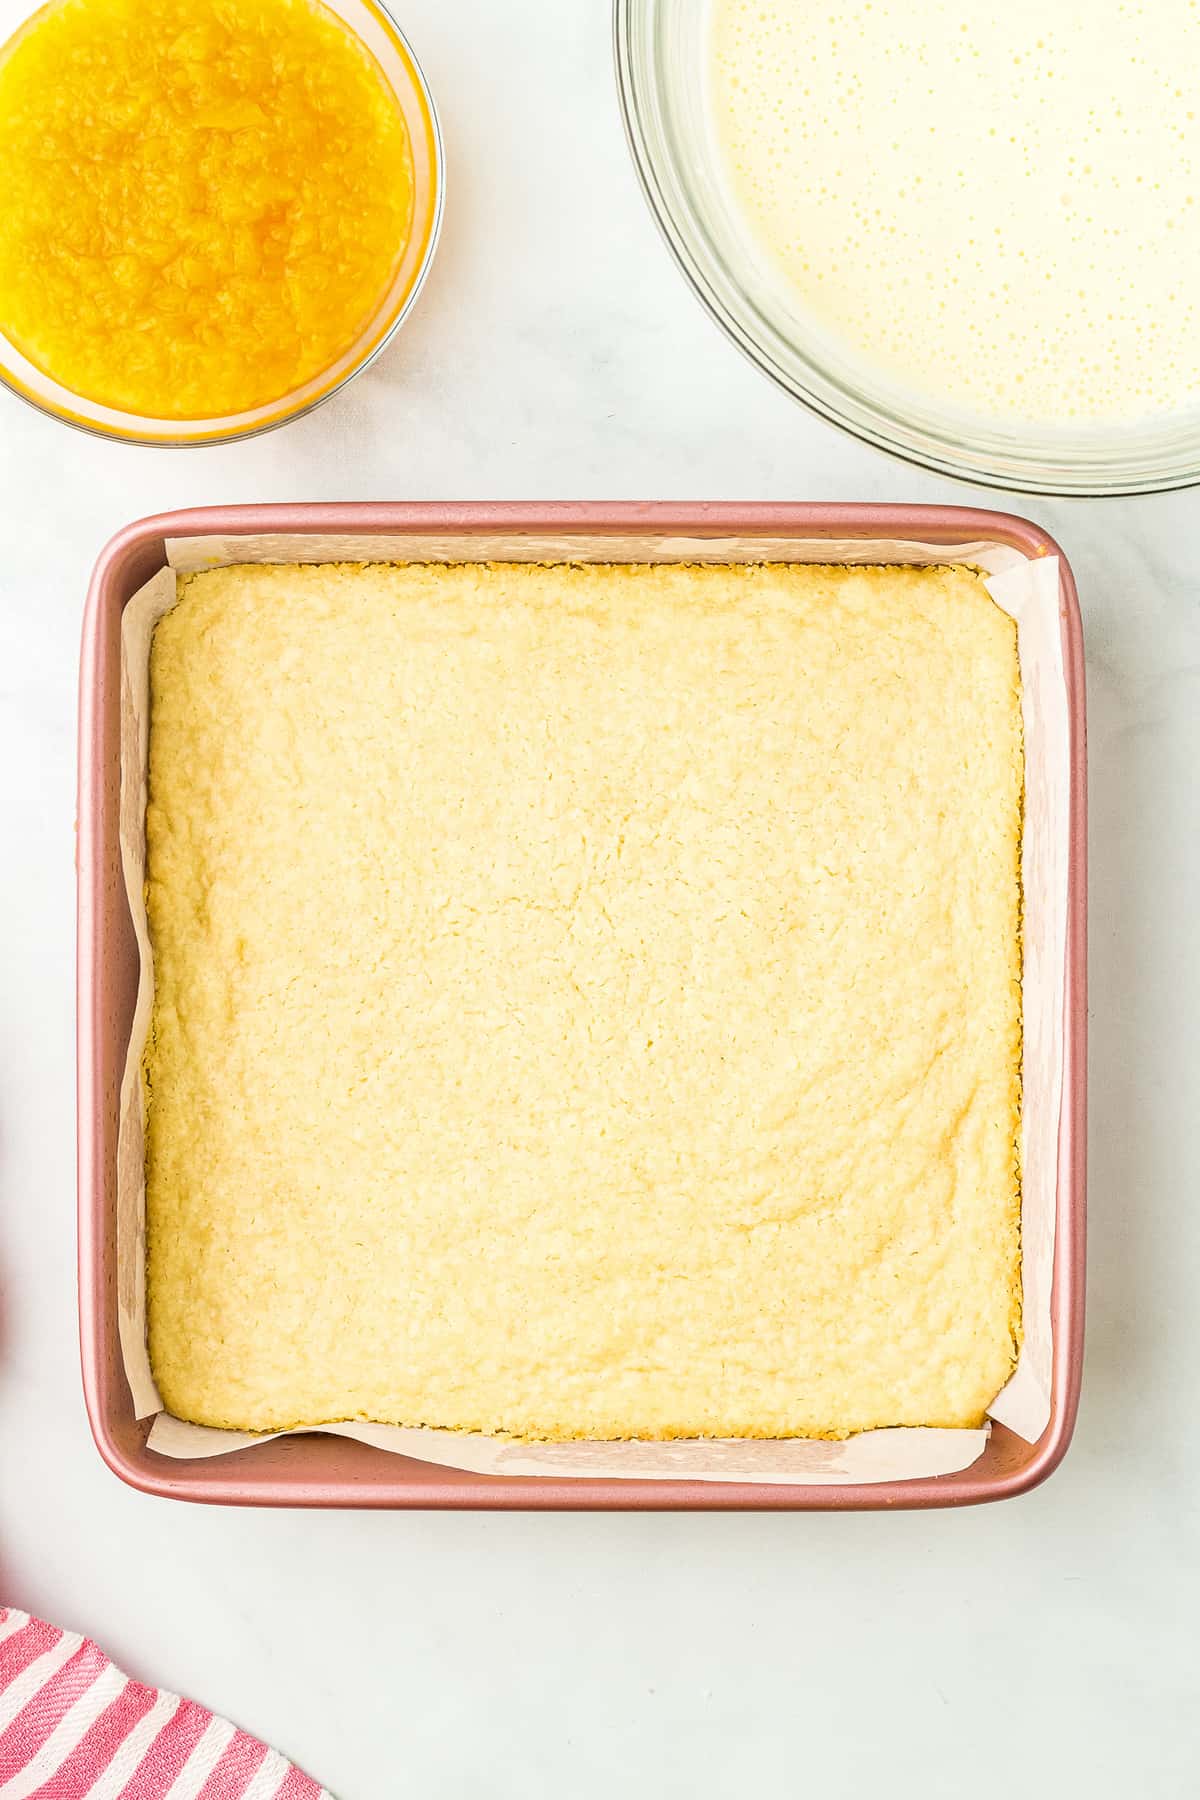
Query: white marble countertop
[(556, 354)]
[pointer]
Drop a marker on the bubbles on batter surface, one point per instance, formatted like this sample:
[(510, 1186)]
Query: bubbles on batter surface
[(997, 204)]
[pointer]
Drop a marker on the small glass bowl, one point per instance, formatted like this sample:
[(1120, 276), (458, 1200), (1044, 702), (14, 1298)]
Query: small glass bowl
[(662, 79), (382, 36)]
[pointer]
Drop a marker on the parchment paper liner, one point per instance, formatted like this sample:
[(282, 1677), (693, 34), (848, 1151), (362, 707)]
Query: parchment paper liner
[(1028, 589)]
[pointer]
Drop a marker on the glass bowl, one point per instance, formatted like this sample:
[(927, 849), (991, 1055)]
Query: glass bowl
[(662, 78), (383, 37)]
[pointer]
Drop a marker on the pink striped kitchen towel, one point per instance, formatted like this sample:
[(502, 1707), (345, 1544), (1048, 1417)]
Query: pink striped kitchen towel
[(72, 1727)]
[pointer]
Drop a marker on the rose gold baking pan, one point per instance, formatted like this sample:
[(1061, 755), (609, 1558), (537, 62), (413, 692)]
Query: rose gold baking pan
[(316, 1469)]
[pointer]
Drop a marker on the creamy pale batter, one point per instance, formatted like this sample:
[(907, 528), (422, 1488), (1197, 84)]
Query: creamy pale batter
[(997, 204), (587, 999)]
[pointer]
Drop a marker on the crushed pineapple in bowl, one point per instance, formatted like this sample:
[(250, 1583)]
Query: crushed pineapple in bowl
[(216, 211)]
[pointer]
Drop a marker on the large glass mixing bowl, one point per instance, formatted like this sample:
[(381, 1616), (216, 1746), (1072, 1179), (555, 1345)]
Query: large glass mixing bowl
[(662, 65)]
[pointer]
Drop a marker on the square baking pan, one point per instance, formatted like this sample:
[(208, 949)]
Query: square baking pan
[(316, 1469)]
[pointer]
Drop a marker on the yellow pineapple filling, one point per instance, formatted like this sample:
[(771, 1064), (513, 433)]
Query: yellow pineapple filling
[(205, 202)]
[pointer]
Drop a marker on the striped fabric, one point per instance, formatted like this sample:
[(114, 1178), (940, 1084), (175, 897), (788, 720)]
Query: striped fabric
[(72, 1727)]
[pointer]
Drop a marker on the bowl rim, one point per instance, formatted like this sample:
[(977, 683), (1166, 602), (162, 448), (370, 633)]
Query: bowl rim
[(1027, 473), (285, 412)]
